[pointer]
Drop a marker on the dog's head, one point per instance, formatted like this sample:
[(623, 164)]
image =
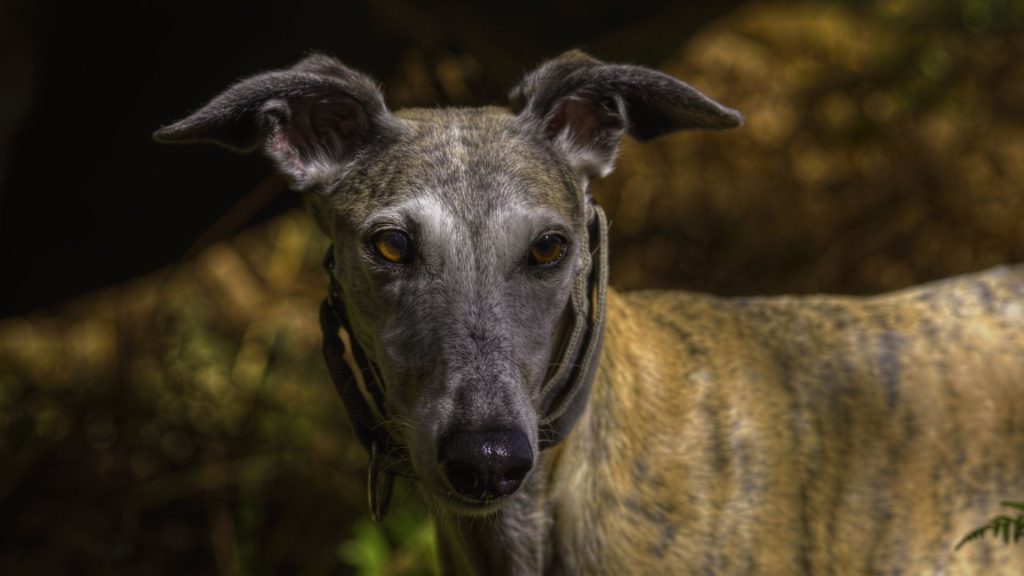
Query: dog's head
[(458, 235)]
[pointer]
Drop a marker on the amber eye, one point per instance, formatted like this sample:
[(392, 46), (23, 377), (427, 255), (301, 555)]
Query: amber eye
[(547, 250), (392, 245)]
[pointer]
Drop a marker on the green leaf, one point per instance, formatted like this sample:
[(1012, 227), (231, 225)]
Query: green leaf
[(1018, 505)]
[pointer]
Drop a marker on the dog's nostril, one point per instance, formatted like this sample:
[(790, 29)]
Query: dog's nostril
[(462, 477), (518, 473), (485, 464)]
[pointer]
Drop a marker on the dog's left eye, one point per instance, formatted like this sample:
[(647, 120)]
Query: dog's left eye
[(547, 250), (392, 245)]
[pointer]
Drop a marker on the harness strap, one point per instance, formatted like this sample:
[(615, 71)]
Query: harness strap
[(563, 405), (362, 402), (564, 393)]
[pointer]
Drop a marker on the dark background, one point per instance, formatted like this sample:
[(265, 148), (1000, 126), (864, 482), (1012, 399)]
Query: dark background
[(164, 408), (88, 200)]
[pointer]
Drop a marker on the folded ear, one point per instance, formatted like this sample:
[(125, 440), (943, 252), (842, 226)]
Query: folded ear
[(311, 119), (584, 106)]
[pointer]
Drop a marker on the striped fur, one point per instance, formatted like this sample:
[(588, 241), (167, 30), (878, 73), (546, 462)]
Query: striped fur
[(820, 435)]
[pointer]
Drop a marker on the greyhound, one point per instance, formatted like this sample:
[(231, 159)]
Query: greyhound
[(554, 425)]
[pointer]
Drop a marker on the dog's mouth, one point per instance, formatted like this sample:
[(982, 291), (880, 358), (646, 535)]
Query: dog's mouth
[(435, 489), (468, 506)]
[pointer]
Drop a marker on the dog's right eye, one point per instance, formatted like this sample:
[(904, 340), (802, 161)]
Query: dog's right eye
[(547, 250), (392, 245)]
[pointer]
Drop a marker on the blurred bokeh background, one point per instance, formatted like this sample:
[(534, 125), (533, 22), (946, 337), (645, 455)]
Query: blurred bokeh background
[(163, 405)]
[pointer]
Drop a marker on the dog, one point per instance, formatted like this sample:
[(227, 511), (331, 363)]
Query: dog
[(554, 425)]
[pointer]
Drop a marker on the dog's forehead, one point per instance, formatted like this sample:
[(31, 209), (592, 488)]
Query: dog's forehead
[(473, 162)]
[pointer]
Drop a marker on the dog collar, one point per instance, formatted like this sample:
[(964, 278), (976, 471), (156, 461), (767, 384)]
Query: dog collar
[(564, 393)]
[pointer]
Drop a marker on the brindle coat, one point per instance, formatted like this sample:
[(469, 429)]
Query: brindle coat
[(800, 435), (814, 435)]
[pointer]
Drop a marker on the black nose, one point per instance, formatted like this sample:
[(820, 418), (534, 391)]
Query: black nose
[(483, 465)]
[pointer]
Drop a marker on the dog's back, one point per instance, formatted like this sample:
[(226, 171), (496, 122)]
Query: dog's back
[(812, 435)]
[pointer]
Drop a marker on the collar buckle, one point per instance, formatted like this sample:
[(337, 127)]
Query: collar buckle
[(378, 485)]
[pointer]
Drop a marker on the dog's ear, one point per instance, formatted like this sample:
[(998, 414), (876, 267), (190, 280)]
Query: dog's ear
[(584, 106), (311, 119)]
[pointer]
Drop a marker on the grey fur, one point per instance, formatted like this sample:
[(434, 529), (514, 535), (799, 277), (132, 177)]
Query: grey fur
[(311, 119), (464, 332), (620, 98)]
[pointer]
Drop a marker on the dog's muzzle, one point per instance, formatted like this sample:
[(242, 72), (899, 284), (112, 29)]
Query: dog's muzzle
[(481, 467)]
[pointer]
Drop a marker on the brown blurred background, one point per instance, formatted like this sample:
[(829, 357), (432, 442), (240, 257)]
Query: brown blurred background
[(163, 405)]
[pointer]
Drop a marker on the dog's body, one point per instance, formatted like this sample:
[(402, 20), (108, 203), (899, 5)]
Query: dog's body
[(799, 435), (771, 436), (751, 436)]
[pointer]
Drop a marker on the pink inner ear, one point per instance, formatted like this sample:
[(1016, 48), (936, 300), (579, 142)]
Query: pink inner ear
[(332, 126), (284, 151), (315, 134), (581, 116), (342, 120)]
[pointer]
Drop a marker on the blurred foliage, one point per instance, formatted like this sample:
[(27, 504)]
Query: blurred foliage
[(184, 423), (884, 146), (404, 545), (1009, 528)]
